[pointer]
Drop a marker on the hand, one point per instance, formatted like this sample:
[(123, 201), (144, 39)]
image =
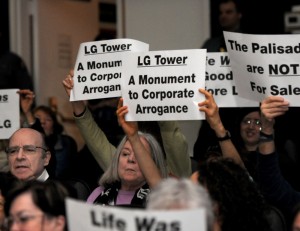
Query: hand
[(26, 100), (270, 108), (130, 128), (68, 82), (211, 110)]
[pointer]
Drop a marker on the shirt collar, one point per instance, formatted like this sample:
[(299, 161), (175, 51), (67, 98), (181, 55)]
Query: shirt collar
[(44, 176)]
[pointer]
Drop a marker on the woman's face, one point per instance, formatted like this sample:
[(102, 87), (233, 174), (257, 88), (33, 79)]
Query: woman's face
[(249, 129), (296, 224), (46, 121), (25, 215), (128, 169)]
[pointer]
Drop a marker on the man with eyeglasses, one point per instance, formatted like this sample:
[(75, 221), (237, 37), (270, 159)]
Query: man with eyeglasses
[(28, 155)]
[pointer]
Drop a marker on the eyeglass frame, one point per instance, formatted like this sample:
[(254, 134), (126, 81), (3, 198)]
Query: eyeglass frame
[(24, 147), (255, 122), (22, 220)]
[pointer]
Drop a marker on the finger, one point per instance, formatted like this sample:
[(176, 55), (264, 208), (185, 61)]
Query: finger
[(207, 94), (203, 103), (121, 110), (120, 102)]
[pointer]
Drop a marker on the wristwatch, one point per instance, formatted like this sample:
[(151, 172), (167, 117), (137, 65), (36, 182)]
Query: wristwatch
[(226, 137), (263, 137)]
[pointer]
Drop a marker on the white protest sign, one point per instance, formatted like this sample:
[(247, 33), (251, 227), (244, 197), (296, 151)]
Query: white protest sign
[(219, 82), (98, 68), (82, 216), (9, 112), (265, 65), (163, 85)]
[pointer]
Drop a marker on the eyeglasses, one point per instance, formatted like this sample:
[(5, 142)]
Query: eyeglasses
[(255, 122), (21, 220), (27, 149)]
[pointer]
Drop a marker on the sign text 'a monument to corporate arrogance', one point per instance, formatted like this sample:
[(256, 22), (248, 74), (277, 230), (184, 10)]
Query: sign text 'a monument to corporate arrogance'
[(163, 85), (99, 66)]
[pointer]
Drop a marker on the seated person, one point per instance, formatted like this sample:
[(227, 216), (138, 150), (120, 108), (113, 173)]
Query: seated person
[(174, 142), (173, 194), (273, 185), (137, 166), (38, 206), (239, 202), (28, 155), (62, 146)]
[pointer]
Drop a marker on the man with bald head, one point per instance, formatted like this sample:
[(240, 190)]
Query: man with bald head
[(28, 155)]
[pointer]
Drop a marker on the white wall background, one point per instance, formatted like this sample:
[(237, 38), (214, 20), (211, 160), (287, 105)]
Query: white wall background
[(59, 26), (167, 24)]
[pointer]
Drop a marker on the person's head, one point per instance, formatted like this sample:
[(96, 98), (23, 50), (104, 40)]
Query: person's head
[(240, 206), (250, 127), (36, 206), (174, 194), (48, 120), (296, 221), (124, 167), (27, 154), (230, 15), (7, 182)]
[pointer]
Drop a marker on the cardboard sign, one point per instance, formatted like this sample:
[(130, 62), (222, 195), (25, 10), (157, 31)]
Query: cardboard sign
[(9, 112), (99, 68), (265, 65), (163, 85), (88, 217)]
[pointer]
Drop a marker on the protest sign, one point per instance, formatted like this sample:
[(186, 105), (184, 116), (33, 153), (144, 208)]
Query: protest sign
[(98, 68), (89, 217), (219, 82), (163, 85), (265, 65), (9, 112)]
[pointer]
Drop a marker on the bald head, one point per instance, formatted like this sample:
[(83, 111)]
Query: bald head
[(31, 133)]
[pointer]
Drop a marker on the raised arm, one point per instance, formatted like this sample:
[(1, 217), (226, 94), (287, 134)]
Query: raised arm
[(68, 83), (96, 140), (275, 188), (176, 149), (211, 110), (271, 108), (142, 154)]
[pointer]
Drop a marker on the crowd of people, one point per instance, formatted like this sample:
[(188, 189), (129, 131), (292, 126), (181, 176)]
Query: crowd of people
[(142, 172), (246, 175)]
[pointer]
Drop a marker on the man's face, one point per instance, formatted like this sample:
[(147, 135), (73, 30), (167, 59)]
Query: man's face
[(229, 17), (27, 165)]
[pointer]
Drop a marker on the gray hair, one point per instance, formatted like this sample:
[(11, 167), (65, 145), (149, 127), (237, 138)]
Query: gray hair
[(182, 193), (111, 175)]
